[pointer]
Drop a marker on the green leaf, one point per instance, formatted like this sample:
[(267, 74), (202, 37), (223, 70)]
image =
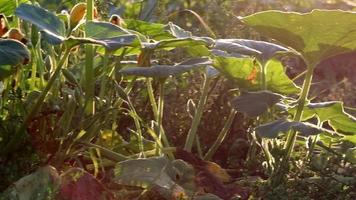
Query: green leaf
[(316, 35), (45, 20), (232, 47), (13, 52), (152, 30), (111, 36), (163, 71), (272, 129), (41, 184), (170, 44), (277, 79), (177, 31), (154, 172), (334, 113), (7, 7), (246, 74), (256, 103), (266, 50), (95, 29)]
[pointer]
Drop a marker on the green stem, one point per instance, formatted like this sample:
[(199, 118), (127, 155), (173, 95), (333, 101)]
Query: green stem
[(292, 135), (198, 114), (51, 81), (298, 116), (16, 19), (263, 76), (89, 66), (264, 117), (138, 128), (12, 144), (159, 118), (221, 135), (152, 97), (161, 133), (105, 78)]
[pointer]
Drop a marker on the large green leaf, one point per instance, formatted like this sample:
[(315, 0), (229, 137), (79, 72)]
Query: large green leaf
[(334, 113), (266, 50), (7, 7), (45, 20), (246, 74), (256, 103), (272, 129), (316, 35), (13, 52), (163, 71)]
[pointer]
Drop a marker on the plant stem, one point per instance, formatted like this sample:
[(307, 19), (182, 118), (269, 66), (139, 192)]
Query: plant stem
[(89, 66), (198, 114), (159, 119), (221, 135), (152, 97), (292, 135), (12, 144), (298, 116), (51, 81), (138, 128), (105, 67)]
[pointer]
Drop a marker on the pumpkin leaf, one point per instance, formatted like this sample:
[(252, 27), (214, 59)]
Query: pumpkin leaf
[(13, 52), (266, 50), (111, 36), (317, 35), (272, 129), (246, 74), (45, 20), (333, 112), (155, 31), (254, 104), (233, 48), (163, 71)]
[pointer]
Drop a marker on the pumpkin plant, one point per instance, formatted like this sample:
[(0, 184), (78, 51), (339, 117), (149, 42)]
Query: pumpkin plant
[(316, 36)]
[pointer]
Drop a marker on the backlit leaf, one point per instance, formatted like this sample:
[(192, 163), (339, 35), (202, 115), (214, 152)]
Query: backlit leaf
[(334, 113), (243, 72), (316, 35)]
